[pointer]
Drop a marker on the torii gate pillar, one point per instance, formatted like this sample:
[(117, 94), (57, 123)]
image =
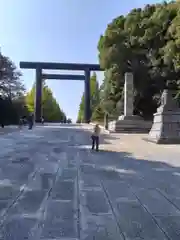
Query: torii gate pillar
[(38, 96), (87, 97)]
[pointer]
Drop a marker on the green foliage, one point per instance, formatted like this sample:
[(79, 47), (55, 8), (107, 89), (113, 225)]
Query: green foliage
[(94, 98), (11, 85), (147, 43), (50, 108), (12, 102)]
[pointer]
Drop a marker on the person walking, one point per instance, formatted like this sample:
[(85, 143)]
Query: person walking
[(42, 120), (20, 122), (31, 121), (95, 137)]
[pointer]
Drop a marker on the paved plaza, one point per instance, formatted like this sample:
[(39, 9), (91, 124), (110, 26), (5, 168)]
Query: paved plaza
[(52, 186)]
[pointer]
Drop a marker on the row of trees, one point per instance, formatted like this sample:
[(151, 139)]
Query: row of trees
[(95, 98), (147, 43), (50, 108), (15, 103)]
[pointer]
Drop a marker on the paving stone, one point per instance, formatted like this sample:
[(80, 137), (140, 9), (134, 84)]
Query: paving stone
[(59, 229), (87, 168), (63, 190), (47, 180), (17, 172), (174, 200), (3, 205), (68, 174), (169, 189), (41, 181), (96, 202), (29, 202), (8, 192), (58, 210), (156, 203), (108, 174), (88, 181), (136, 223), (119, 190), (171, 225), (18, 228), (100, 228)]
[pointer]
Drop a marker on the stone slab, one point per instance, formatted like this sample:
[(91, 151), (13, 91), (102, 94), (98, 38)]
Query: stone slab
[(63, 190), (29, 202), (59, 210), (156, 204), (17, 228), (96, 202), (59, 229), (136, 223), (171, 225), (100, 228)]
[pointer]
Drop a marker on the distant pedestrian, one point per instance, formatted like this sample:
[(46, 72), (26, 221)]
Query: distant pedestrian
[(24, 120), (20, 122), (31, 121), (42, 120), (95, 137)]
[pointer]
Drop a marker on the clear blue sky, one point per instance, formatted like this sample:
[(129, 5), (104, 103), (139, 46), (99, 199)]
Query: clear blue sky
[(61, 31)]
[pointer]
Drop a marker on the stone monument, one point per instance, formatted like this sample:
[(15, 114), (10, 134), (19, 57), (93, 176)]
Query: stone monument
[(129, 122), (166, 124)]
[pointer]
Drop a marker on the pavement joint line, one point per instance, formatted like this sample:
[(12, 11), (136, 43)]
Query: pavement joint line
[(112, 210), (164, 195), (154, 218), (146, 209), (77, 199), (43, 206), (23, 187), (110, 205)]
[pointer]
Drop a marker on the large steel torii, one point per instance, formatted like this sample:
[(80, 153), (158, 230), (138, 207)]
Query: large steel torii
[(39, 66)]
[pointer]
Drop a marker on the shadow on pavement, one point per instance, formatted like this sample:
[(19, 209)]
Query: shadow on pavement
[(144, 195)]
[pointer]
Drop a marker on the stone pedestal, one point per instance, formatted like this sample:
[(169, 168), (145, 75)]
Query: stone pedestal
[(165, 128), (166, 124), (129, 123)]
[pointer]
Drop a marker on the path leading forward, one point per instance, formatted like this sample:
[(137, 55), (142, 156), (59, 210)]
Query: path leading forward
[(53, 187)]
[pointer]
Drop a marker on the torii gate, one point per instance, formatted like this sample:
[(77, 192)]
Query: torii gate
[(39, 66)]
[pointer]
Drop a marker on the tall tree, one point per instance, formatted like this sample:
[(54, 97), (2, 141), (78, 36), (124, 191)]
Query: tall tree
[(11, 85), (12, 90), (147, 43), (50, 108)]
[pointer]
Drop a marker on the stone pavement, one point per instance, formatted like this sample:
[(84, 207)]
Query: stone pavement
[(52, 186)]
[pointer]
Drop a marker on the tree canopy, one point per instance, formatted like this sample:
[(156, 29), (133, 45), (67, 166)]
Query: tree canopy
[(12, 90), (10, 83), (50, 108), (147, 43)]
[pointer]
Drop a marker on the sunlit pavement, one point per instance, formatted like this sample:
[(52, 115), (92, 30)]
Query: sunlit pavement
[(52, 186)]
